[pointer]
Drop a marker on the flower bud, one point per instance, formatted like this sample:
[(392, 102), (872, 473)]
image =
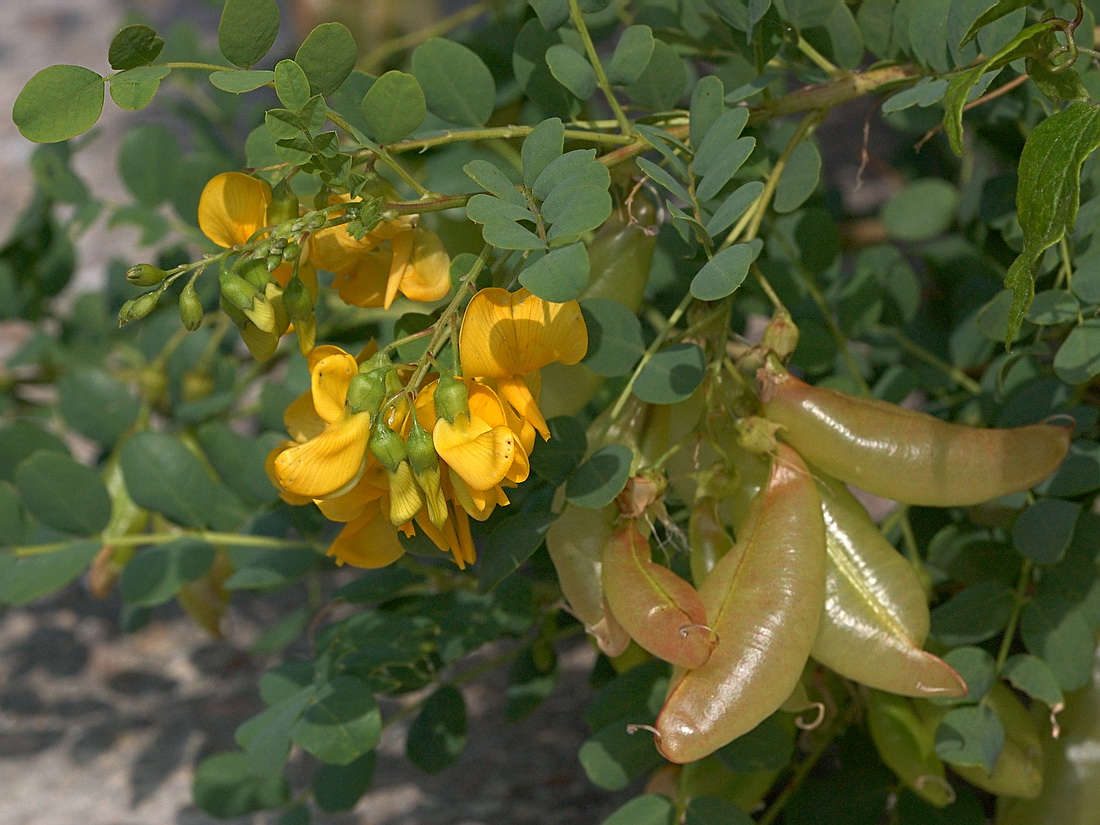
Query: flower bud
[(283, 206), (315, 221), (451, 398), (378, 361), (274, 261), (137, 308), (366, 392), (421, 449), (145, 275), (291, 251), (237, 291), (190, 308), (386, 446), (254, 270), (781, 334), (297, 300)]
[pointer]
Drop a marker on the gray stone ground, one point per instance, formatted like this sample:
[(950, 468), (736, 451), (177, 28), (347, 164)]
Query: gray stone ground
[(103, 728)]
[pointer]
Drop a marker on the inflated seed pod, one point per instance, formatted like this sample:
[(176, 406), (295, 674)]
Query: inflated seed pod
[(575, 543), (905, 455), (707, 536), (907, 746), (763, 599), (875, 617), (1018, 771), (660, 611)]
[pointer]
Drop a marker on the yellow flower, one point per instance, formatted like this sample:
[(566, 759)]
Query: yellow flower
[(508, 335), (369, 540), (416, 265), (233, 207)]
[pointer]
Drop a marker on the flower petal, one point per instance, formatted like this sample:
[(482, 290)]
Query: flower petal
[(269, 468), (481, 455), (369, 541), (329, 381), (402, 245), (364, 285), (428, 275), (301, 419), (329, 464), (519, 397), (232, 207)]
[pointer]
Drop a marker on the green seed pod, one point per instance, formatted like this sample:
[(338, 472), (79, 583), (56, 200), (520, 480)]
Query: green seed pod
[(145, 275), (254, 270), (237, 291), (366, 392), (137, 308), (283, 206), (451, 398), (291, 251), (190, 308), (387, 446)]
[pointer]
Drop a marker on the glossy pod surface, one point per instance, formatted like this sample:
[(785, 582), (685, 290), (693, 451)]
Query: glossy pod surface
[(660, 611), (764, 600), (905, 455), (875, 617), (907, 746)]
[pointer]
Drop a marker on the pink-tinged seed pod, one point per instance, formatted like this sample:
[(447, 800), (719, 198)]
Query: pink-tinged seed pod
[(763, 599), (876, 615), (659, 610), (905, 455)]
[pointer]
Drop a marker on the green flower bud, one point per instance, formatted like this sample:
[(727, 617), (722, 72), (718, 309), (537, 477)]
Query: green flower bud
[(781, 334), (386, 446), (366, 392), (283, 206), (291, 251), (451, 398), (378, 361), (137, 308), (190, 308), (237, 291), (145, 275), (315, 221), (421, 449), (274, 261), (255, 272)]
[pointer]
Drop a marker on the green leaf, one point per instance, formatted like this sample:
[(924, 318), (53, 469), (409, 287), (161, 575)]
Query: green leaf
[(1078, 359), (492, 179), (707, 106), (555, 459), (562, 169), (457, 84), (663, 82), (505, 234), (928, 91), (922, 210), (715, 810), (720, 136), (157, 573), (958, 90), (533, 74), (135, 89), (614, 337), (238, 81), (482, 208), (767, 747), (394, 107), (1058, 87), (721, 171), (327, 56), (63, 493), (58, 103), (977, 668), (438, 735), (671, 375), (995, 12), (509, 545), (1034, 677), (558, 276), (1044, 530), (725, 272), (13, 518), (259, 568), (247, 30), (928, 34), (661, 176), (972, 735), (1057, 631), (340, 787), (134, 45), (571, 70), (575, 209), (34, 576), (615, 756), (342, 723), (21, 439), (1053, 306), (162, 475), (734, 207), (291, 85), (1079, 473), (596, 482), (1049, 193), (631, 56), (551, 13), (531, 680), (226, 787), (239, 460), (650, 809), (96, 405), (541, 147), (977, 613), (799, 177), (266, 736), (992, 319)]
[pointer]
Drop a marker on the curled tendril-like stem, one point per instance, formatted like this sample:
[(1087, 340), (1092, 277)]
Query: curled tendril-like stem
[(632, 729), (686, 629), (812, 723), (1055, 728)]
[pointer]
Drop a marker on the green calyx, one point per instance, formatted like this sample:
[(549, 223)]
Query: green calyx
[(283, 206), (366, 392), (137, 308), (145, 275), (451, 398), (421, 449), (190, 308), (297, 301), (387, 446), (237, 291)]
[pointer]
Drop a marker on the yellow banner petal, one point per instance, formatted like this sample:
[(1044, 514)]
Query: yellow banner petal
[(232, 207)]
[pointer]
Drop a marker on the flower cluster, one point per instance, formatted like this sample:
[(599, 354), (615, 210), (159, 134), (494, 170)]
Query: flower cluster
[(377, 453)]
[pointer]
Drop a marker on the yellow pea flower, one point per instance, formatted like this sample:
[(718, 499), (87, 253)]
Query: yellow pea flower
[(233, 207), (508, 335), (416, 265), (369, 540)]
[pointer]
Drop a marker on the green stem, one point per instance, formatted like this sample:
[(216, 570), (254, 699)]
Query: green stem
[(441, 27), (577, 17), (187, 64), (140, 539), (950, 370), (1018, 604), (500, 133), (819, 60), (802, 771)]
